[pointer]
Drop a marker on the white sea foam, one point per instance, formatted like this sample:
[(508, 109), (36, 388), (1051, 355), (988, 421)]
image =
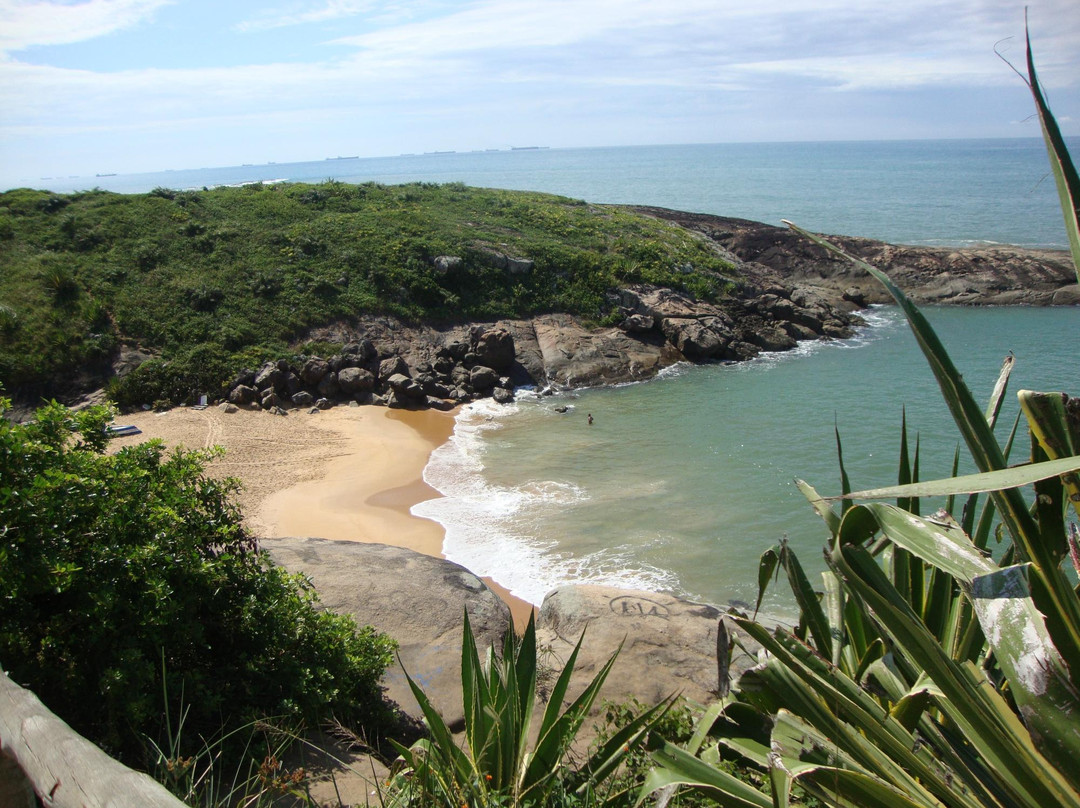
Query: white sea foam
[(493, 530), (503, 530)]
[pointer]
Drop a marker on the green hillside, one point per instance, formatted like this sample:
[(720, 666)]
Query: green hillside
[(244, 273)]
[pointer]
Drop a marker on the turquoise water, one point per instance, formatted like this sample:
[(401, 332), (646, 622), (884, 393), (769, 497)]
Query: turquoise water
[(680, 483), (950, 192)]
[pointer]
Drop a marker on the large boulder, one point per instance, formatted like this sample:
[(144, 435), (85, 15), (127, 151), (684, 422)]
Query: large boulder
[(705, 338), (668, 644), (483, 378), (407, 388), (269, 376), (328, 385), (361, 352), (242, 394), (416, 599), (573, 355), (495, 349), (313, 371), (355, 380), (392, 366)]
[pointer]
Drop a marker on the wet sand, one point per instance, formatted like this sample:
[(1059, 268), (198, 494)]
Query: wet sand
[(349, 473)]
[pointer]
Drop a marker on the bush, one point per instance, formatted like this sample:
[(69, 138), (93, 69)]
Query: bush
[(203, 369), (115, 568)]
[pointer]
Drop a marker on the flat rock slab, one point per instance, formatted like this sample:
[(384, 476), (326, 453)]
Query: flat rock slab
[(416, 599), (669, 644)]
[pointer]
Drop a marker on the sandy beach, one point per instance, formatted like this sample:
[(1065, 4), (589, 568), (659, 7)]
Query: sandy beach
[(349, 473)]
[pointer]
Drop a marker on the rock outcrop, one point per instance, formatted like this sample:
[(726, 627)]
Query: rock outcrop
[(668, 644), (416, 599), (979, 276), (787, 290)]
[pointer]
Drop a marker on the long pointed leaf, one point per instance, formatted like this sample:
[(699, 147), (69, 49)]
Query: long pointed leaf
[(1013, 477), (989, 724), (1065, 176), (988, 456), (679, 767)]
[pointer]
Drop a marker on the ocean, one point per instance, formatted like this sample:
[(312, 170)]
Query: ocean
[(950, 192), (682, 482)]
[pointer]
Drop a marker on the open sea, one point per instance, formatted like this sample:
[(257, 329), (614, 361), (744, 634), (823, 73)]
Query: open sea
[(682, 482)]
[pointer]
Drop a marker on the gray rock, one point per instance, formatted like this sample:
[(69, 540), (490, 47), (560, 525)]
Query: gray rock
[(519, 266), (638, 323), (502, 395), (798, 332), (416, 599), (1067, 295), (313, 371), (328, 385), (447, 263), (454, 349), (572, 355), (355, 380), (242, 394), (225, 406), (495, 349), (771, 339), (669, 644), (442, 404), (291, 384), (482, 378), (406, 388), (695, 338), (269, 399), (268, 376), (324, 404), (392, 366), (303, 399)]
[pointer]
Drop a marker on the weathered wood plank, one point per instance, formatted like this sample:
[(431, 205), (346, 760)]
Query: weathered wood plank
[(63, 768)]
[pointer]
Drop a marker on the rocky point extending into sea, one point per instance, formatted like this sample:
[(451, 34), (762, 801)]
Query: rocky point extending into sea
[(789, 290)]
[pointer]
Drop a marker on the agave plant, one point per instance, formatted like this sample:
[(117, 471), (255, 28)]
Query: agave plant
[(499, 763), (925, 672)]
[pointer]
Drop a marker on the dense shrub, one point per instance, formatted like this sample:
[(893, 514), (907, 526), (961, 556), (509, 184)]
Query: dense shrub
[(118, 571), (203, 369), (260, 266)]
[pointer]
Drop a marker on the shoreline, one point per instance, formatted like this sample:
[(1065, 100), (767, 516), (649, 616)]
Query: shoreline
[(346, 474)]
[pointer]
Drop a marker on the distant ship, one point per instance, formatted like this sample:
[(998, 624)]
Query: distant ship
[(527, 148), (105, 175), (353, 157), (441, 152)]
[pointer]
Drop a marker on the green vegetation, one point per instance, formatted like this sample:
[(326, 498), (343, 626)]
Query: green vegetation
[(126, 576), (242, 273), (923, 672), (926, 671), (499, 766)]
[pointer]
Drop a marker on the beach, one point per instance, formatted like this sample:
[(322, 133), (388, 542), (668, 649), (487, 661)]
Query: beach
[(347, 474)]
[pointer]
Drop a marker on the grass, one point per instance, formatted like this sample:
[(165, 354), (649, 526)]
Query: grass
[(252, 269)]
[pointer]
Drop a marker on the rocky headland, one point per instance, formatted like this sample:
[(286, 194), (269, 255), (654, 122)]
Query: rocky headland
[(788, 290)]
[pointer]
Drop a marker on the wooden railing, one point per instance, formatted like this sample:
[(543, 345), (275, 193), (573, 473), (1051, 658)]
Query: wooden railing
[(40, 754)]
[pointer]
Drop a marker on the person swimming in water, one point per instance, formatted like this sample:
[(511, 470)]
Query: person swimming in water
[(590, 419)]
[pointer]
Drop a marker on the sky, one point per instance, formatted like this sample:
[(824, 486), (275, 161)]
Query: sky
[(103, 86)]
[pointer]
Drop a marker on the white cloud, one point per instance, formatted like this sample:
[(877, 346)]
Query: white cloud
[(325, 12), (634, 68), (26, 23)]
